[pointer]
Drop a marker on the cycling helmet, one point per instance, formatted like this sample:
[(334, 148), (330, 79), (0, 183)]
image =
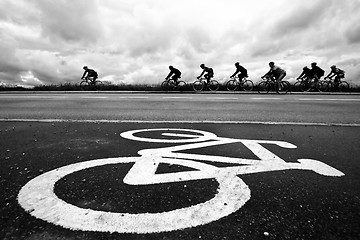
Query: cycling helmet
[(333, 66), (85, 67), (305, 67), (202, 65), (313, 64), (171, 67), (237, 64), (271, 63)]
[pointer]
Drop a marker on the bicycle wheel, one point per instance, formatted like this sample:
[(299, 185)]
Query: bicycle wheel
[(344, 86), (198, 85), (247, 85), (270, 87), (261, 87), (296, 86), (284, 87), (164, 85), (213, 85), (232, 85), (305, 86), (330, 86), (84, 85), (322, 86), (98, 85), (181, 86)]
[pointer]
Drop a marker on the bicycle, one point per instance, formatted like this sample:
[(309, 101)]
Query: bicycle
[(296, 85), (171, 85), (269, 84), (201, 83), (341, 86), (234, 83), (308, 84), (38, 198), (89, 84)]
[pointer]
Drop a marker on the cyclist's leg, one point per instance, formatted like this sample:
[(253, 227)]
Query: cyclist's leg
[(241, 77), (279, 79), (316, 79), (175, 78), (207, 77)]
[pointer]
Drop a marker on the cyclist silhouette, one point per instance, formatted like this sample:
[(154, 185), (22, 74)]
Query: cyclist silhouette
[(242, 70), (175, 73), (209, 72), (306, 73), (337, 72), (317, 71), (277, 72), (89, 73)]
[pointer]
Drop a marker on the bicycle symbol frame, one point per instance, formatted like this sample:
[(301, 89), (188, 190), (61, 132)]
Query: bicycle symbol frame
[(38, 198)]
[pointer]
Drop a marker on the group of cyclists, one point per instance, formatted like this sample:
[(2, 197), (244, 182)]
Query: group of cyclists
[(315, 72), (275, 72)]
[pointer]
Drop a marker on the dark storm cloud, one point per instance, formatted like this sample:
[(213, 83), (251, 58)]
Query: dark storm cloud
[(69, 20), (306, 15), (353, 33)]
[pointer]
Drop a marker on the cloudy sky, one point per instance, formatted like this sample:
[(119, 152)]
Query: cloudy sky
[(134, 41)]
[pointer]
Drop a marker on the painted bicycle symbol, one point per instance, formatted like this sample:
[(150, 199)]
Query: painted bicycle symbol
[(38, 198)]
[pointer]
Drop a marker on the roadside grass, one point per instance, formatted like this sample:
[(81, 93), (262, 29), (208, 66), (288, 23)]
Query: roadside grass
[(122, 87)]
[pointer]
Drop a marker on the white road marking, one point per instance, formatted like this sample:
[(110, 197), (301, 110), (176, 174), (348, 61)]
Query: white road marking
[(266, 98), (38, 198), (328, 99), (221, 98), (94, 97), (135, 97), (177, 97)]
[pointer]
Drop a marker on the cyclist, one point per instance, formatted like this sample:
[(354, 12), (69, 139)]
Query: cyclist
[(277, 72), (175, 73), (317, 72), (89, 73), (306, 73), (209, 72), (337, 72), (242, 70)]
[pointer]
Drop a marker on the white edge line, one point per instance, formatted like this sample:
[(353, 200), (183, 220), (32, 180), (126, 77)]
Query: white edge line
[(177, 97), (328, 99), (94, 97), (139, 97), (186, 121)]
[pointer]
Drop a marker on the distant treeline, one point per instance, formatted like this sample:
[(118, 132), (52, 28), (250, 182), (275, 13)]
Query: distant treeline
[(119, 87)]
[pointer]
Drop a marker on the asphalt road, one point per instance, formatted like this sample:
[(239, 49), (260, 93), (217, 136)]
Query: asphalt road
[(179, 166), (343, 109)]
